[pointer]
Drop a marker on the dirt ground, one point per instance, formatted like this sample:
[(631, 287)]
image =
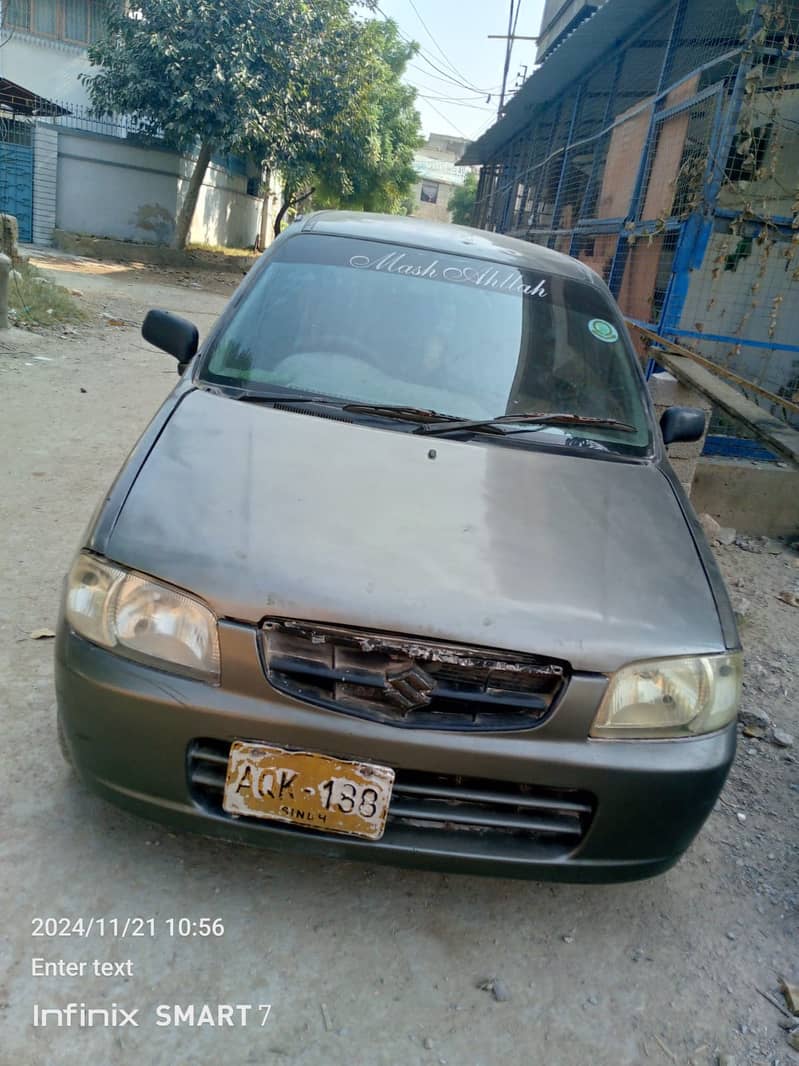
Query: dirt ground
[(364, 965)]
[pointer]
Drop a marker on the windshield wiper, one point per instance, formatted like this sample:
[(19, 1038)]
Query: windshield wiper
[(541, 419), (264, 397), (398, 411), (383, 410)]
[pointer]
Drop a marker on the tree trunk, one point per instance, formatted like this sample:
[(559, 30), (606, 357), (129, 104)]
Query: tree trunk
[(287, 202), (290, 201), (184, 220)]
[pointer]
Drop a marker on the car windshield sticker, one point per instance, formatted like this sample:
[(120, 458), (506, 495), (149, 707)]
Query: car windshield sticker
[(483, 277), (603, 331)]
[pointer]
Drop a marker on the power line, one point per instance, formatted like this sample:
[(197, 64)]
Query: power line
[(425, 57), (454, 103), (449, 121), (425, 87), (441, 51), (449, 81)]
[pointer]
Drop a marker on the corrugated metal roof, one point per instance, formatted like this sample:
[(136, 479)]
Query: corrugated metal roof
[(577, 52)]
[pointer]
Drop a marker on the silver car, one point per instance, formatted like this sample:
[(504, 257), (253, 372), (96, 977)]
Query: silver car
[(400, 572)]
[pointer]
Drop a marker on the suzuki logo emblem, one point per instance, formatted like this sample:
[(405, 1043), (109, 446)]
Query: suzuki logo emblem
[(408, 686)]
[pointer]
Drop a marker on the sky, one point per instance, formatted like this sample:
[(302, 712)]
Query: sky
[(455, 35)]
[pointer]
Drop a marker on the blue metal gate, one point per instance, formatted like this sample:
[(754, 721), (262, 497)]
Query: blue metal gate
[(16, 174)]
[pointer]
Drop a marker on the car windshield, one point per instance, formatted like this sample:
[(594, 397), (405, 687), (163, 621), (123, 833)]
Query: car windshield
[(374, 323)]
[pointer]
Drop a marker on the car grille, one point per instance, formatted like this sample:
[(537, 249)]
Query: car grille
[(437, 806), (402, 681)]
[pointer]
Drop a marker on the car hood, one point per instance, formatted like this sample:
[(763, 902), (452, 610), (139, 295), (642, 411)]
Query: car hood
[(265, 512)]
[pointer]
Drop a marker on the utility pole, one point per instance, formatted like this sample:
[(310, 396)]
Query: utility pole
[(510, 37)]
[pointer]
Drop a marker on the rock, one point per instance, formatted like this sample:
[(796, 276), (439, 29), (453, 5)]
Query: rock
[(496, 987), (567, 939), (42, 634), (791, 993), (75, 292), (789, 597), (754, 718), (427, 1044), (757, 545), (710, 526), (730, 935), (782, 739), (756, 671), (726, 536), (793, 1039), (740, 816), (724, 1060), (500, 990), (756, 732), (742, 607)]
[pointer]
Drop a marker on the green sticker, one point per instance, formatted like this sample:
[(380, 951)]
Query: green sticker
[(603, 331)]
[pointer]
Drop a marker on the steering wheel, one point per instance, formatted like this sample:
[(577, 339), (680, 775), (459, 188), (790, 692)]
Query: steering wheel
[(346, 345)]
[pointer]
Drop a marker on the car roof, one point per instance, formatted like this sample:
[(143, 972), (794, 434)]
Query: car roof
[(446, 238)]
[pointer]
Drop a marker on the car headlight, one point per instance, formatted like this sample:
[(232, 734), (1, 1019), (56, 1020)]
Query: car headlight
[(142, 619), (671, 698)]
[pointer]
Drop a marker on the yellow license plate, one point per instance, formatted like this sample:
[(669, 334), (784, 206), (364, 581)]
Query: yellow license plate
[(306, 789)]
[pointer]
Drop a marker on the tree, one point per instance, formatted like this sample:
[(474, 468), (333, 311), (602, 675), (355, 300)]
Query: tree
[(212, 76), (461, 203), (366, 127)]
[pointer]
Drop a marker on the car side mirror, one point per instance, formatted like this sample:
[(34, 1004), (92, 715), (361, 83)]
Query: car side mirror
[(171, 334), (682, 424)]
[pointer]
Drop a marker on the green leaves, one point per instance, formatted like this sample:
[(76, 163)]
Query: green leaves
[(308, 88), (366, 125), (461, 203)]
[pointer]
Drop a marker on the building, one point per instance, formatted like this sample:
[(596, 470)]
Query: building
[(61, 167), (439, 175), (560, 17), (658, 141)]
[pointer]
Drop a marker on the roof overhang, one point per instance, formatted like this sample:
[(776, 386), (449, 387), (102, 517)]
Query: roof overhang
[(581, 50), (21, 101)]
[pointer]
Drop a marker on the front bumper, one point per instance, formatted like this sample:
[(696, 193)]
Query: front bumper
[(131, 730)]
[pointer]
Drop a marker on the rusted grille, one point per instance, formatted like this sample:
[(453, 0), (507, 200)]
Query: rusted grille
[(408, 682), (444, 805)]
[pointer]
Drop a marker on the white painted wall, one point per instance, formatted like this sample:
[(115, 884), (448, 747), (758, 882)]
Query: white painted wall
[(225, 215), (47, 67), (108, 187)]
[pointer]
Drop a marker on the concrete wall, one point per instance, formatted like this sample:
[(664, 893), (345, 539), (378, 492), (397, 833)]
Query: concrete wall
[(225, 215), (47, 67), (108, 187), (757, 498)]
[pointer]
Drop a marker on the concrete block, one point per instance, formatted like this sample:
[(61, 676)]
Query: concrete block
[(761, 499)]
